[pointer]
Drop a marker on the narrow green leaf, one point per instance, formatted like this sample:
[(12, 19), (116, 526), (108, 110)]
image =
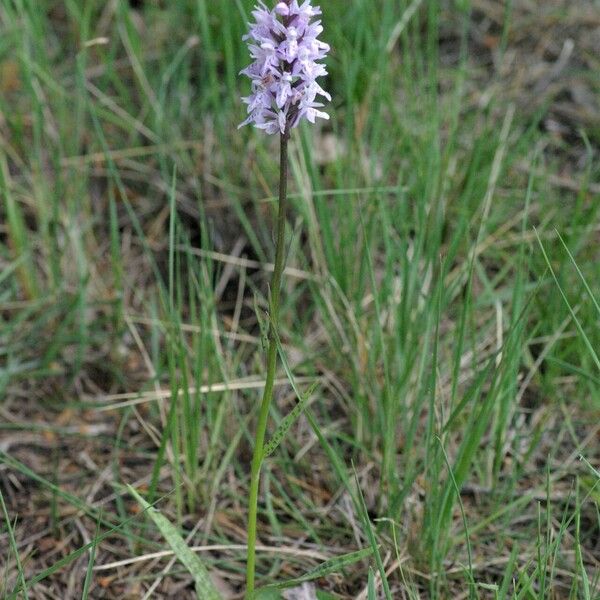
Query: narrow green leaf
[(18, 234), (90, 568), (581, 275), (371, 586), (572, 310), (368, 528), (321, 595), (268, 594), (462, 512), (335, 459), (205, 588), (333, 565), (589, 466), (14, 547), (288, 421)]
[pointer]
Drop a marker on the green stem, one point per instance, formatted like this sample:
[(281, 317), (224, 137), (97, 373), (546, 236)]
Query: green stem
[(263, 417)]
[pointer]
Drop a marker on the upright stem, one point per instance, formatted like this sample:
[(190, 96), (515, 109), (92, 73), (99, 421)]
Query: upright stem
[(263, 416)]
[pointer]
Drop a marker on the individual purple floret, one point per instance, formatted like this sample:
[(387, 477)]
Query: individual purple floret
[(285, 47)]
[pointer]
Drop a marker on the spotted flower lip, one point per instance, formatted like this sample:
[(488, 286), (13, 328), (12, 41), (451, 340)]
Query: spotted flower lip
[(285, 47)]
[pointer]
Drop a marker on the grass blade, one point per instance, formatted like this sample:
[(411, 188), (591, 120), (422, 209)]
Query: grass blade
[(90, 567), (581, 276), (371, 537), (13, 545), (333, 565), (586, 339), (372, 595), (205, 588)]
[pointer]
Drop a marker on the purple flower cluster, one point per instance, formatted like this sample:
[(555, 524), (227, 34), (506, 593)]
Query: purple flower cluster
[(283, 43)]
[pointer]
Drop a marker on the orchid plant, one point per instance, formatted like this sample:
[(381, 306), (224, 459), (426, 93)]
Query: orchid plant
[(286, 50)]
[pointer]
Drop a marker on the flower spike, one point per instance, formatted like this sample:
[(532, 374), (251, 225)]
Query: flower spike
[(285, 47)]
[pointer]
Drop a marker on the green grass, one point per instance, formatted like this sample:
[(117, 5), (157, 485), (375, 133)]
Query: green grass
[(442, 294)]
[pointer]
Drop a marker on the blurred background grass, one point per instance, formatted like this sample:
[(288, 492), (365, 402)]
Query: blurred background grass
[(442, 289)]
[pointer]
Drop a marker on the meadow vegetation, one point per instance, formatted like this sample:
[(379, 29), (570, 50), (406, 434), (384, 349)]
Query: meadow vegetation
[(440, 309)]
